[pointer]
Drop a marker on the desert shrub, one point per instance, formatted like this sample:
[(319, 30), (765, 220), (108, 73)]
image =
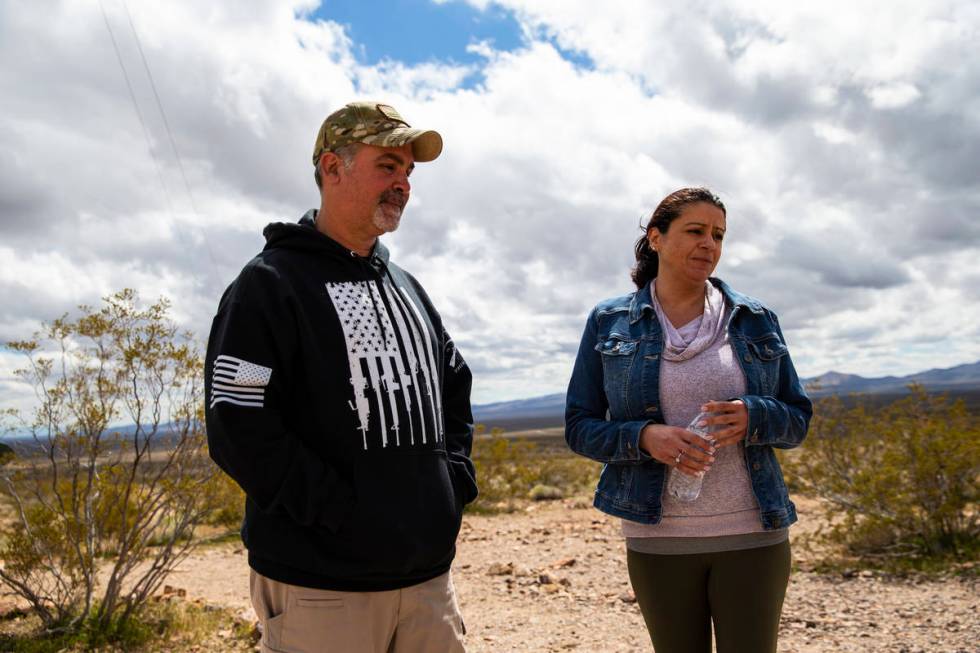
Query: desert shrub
[(541, 492), (508, 469), (102, 513), (228, 500), (165, 626), (900, 478)]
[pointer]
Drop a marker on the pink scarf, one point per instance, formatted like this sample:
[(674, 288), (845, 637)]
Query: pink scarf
[(709, 324)]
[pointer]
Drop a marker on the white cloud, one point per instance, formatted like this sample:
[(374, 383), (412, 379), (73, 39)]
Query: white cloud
[(841, 139), (834, 133), (893, 96)]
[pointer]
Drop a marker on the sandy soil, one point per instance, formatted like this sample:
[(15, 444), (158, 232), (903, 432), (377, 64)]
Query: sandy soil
[(553, 578)]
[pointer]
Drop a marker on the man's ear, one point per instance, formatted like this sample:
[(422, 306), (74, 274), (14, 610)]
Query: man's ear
[(330, 165)]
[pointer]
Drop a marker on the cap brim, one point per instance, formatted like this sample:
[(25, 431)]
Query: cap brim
[(426, 144)]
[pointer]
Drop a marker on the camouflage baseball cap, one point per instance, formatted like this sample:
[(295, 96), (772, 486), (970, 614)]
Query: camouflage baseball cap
[(374, 124)]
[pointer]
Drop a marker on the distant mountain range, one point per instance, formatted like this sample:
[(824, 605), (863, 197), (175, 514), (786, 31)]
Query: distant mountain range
[(535, 407), (961, 377), (548, 410)]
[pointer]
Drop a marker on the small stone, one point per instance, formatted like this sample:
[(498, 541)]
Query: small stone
[(501, 569)]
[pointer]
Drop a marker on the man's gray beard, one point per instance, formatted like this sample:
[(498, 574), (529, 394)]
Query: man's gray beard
[(386, 218)]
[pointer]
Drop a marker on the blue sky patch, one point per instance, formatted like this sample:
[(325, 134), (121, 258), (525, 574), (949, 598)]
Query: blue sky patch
[(418, 31)]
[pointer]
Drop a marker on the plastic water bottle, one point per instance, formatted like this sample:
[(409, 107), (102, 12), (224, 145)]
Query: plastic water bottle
[(684, 487)]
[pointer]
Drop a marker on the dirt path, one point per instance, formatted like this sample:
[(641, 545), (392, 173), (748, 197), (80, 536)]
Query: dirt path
[(554, 579)]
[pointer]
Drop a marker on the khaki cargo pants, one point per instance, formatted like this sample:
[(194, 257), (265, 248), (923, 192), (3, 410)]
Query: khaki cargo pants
[(423, 618)]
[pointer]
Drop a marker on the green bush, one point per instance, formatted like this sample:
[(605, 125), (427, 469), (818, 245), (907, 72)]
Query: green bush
[(508, 470), (101, 514), (163, 626), (897, 479), (542, 492), (228, 500)]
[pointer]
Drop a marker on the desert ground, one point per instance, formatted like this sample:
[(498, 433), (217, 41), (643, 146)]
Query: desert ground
[(552, 577)]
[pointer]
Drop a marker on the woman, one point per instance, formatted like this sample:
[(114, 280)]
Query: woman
[(651, 361)]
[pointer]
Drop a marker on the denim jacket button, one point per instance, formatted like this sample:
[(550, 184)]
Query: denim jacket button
[(747, 358), (756, 466), (650, 409), (754, 438)]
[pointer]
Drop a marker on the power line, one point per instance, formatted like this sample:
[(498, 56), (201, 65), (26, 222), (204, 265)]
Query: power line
[(163, 114), (170, 135), (136, 107), (146, 133)]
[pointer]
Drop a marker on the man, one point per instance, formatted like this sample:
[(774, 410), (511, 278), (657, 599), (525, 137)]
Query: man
[(339, 403)]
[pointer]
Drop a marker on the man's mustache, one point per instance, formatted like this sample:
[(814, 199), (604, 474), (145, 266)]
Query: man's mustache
[(393, 197)]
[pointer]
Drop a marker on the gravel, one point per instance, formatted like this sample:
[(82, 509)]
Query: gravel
[(553, 578)]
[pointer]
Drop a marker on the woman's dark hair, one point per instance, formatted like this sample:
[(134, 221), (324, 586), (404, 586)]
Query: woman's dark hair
[(666, 212)]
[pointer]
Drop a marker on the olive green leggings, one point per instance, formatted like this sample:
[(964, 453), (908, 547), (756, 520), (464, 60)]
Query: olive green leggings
[(740, 591)]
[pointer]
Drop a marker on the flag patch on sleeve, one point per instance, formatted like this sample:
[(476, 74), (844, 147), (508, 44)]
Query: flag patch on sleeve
[(238, 382)]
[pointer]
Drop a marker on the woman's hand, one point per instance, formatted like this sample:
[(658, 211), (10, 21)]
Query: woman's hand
[(730, 418), (677, 447)]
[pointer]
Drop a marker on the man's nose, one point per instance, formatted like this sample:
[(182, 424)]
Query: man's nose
[(401, 183)]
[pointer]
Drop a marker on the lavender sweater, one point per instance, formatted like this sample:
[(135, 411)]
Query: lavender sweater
[(727, 505)]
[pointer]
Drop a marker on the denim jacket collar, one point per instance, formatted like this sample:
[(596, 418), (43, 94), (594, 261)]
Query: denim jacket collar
[(642, 300)]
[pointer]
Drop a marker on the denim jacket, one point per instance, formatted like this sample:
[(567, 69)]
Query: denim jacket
[(615, 391)]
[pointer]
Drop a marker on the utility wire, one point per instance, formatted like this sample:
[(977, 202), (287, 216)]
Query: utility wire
[(170, 135), (136, 107), (163, 114), (149, 141)]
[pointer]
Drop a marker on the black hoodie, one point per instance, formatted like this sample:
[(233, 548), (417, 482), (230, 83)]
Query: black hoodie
[(338, 402)]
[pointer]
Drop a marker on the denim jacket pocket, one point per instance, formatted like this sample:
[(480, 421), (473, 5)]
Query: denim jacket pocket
[(617, 355), (769, 350)]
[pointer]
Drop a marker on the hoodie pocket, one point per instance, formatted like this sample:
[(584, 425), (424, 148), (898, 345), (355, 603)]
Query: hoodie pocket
[(406, 513)]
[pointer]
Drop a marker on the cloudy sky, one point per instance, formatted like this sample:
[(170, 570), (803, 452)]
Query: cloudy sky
[(844, 139)]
